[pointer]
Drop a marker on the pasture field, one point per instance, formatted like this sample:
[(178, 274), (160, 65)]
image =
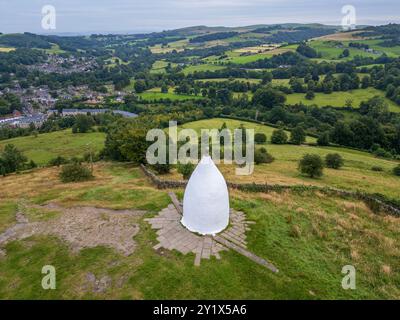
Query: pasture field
[(229, 79), (64, 143), (202, 67), (55, 49), (339, 98), (330, 50), (375, 44), (308, 236), (156, 94), (231, 124), (239, 56), (355, 175), (159, 67), (176, 45)]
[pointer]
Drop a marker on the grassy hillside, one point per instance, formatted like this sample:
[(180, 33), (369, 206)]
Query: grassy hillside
[(308, 236), (355, 175), (233, 124), (202, 67), (156, 94), (60, 143), (339, 98)]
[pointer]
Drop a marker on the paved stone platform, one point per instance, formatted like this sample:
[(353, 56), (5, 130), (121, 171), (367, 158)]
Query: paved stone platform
[(173, 235)]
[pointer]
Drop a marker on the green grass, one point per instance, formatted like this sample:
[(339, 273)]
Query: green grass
[(156, 94), (159, 66), (330, 232), (201, 67), (339, 98), (329, 50), (64, 143), (355, 175), (375, 44), (8, 209), (253, 81), (55, 49), (217, 123)]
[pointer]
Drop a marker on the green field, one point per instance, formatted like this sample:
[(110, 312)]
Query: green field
[(375, 44), (355, 175), (159, 67), (329, 50), (47, 146), (55, 49), (156, 94), (339, 98), (253, 81), (217, 123), (201, 67)]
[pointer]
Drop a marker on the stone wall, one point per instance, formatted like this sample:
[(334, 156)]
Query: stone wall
[(372, 201)]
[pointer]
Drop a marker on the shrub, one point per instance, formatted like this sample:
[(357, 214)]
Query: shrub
[(298, 136), (382, 153), (323, 139), (310, 95), (161, 168), (75, 172), (334, 161), (57, 161), (186, 170), (262, 156), (279, 137), (11, 160), (377, 168), (260, 138), (396, 171), (31, 165), (311, 165)]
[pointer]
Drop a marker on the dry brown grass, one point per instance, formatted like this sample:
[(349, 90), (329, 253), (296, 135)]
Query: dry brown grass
[(342, 36)]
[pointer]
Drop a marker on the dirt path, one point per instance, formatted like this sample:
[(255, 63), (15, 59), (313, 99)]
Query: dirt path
[(80, 227)]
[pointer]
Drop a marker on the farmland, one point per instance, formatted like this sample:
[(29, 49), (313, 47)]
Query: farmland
[(355, 175), (47, 146), (339, 99)]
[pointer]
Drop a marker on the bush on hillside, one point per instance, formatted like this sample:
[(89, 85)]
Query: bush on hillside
[(262, 156), (161, 168), (58, 161), (260, 138), (377, 168), (279, 137), (311, 165), (334, 161), (396, 171), (186, 170), (298, 136), (323, 139), (75, 172)]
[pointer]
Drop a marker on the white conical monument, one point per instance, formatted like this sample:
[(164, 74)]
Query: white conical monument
[(206, 200)]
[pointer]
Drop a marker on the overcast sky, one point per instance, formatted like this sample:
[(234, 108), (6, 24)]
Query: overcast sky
[(155, 15)]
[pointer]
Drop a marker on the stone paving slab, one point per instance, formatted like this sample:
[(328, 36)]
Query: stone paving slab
[(172, 235)]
